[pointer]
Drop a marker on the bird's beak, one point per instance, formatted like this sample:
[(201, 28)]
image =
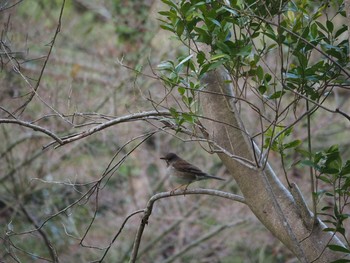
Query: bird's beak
[(165, 159)]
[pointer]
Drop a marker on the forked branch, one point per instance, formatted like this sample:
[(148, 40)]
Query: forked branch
[(149, 207)]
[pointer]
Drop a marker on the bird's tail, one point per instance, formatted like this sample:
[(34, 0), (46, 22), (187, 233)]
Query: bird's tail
[(215, 177)]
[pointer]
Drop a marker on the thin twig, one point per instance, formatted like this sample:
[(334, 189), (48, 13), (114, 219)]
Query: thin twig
[(52, 250), (118, 233), (58, 29)]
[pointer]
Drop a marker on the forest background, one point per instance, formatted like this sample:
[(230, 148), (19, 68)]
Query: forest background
[(89, 62)]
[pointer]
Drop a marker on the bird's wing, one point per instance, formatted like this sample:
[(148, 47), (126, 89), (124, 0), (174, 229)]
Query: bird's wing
[(194, 171), (186, 167)]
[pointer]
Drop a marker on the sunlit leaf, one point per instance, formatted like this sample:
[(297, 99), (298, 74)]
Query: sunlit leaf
[(183, 61)]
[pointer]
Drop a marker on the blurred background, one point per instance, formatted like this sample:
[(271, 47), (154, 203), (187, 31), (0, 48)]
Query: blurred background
[(46, 195)]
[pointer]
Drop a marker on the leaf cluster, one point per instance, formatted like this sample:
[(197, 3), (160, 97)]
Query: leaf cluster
[(334, 173)]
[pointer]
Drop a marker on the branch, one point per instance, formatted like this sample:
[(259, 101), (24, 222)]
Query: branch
[(118, 233), (34, 127), (149, 207), (58, 29), (52, 250), (4, 7), (126, 118), (342, 113), (265, 194), (341, 68)]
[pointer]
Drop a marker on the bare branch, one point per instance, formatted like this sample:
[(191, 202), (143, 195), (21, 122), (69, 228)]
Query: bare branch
[(342, 113), (58, 29), (126, 118), (118, 233), (52, 250), (149, 207), (3, 6), (34, 127)]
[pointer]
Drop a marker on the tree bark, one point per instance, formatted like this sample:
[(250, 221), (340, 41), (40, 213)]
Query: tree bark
[(284, 214)]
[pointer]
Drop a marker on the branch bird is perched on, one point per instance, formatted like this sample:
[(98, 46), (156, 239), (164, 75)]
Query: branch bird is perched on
[(184, 172)]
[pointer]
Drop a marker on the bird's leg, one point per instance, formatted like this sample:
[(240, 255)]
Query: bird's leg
[(186, 188), (173, 191)]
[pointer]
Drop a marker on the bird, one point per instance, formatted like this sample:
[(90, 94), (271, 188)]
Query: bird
[(183, 172)]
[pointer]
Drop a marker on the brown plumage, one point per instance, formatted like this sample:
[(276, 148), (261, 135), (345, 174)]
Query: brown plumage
[(184, 172)]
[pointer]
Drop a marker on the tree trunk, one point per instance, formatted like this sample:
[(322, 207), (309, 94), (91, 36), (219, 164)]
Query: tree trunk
[(284, 214)]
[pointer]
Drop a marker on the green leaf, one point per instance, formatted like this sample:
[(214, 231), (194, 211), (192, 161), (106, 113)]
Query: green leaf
[(223, 47), (340, 31), (211, 66), (179, 122), (200, 3), (233, 12), (183, 61), (290, 75), (276, 95), (328, 229), (200, 57), (314, 31), (302, 58), (214, 21), (188, 117), (292, 144), (262, 89), (216, 65), (138, 68), (203, 35), (181, 90), (267, 77), (164, 13), (346, 168), (260, 73), (173, 112), (168, 27), (330, 26), (170, 3), (341, 261), (219, 56), (338, 248), (320, 25), (303, 152), (332, 50), (180, 27), (245, 51), (166, 65), (325, 179), (325, 208), (341, 230), (346, 184), (308, 163), (187, 100)]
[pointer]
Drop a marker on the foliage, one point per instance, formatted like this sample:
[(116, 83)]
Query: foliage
[(312, 59), (336, 178)]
